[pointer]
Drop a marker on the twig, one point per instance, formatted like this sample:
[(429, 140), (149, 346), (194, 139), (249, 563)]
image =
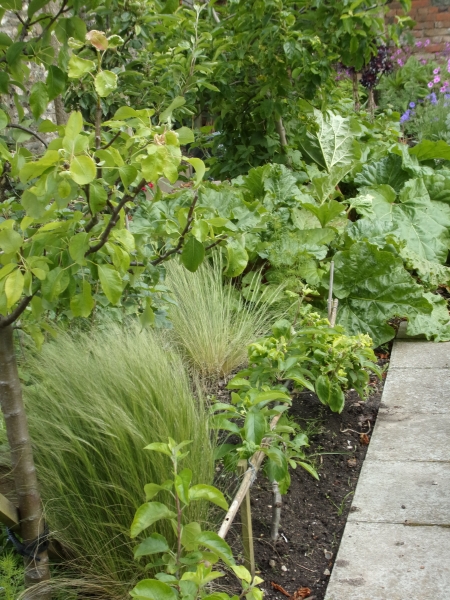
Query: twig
[(112, 140), (358, 432), (9, 319), (113, 220), (30, 131), (330, 290), (177, 248), (276, 511), (216, 243)]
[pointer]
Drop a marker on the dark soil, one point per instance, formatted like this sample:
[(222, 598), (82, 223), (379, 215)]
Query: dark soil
[(314, 513)]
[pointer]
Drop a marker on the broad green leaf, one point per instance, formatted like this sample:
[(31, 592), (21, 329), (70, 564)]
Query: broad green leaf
[(97, 197), (255, 426), (114, 41), (83, 169), (147, 316), (182, 483), (332, 145), (127, 174), (326, 212), (429, 150), (200, 169), (82, 304), (74, 125), (152, 489), (152, 589), (431, 274), (111, 282), (237, 258), (105, 83), (56, 82), (36, 5), (55, 284), (189, 536), (10, 241), (277, 467), (14, 283), (373, 287), (159, 447), (79, 67), (185, 135), (387, 171), (242, 573), (217, 545), (6, 270), (152, 545), (208, 492), (330, 393), (167, 113), (147, 514), (78, 246), (192, 254), (438, 185), (435, 326), (39, 99)]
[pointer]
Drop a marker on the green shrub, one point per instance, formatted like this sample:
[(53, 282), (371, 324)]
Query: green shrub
[(94, 403), (212, 324)]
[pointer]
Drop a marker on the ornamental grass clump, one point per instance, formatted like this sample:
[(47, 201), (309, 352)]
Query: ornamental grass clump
[(95, 402), (212, 323)]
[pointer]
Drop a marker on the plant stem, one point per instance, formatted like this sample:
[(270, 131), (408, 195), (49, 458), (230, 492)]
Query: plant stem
[(276, 511), (23, 468)]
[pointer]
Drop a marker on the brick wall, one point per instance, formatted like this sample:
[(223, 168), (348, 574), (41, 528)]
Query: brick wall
[(432, 22)]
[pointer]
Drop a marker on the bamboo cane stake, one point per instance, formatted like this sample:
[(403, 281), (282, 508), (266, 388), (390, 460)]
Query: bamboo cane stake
[(334, 312), (247, 527), (330, 291), (255, 463)]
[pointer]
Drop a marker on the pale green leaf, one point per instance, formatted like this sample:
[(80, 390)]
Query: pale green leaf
[(147, 514), (14, 284), (105, 83), (192, 254), (83, 169), (111, 282)]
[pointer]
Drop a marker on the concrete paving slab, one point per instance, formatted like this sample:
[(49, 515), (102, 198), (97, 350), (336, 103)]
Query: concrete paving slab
[(381, 561), (420, 355), (404, 390), (399, 492), (410, 437)]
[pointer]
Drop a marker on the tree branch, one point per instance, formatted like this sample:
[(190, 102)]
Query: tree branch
[(9, 319), (30, 131), (54, 18), (112, 140), (216, 243), (177, 248), (114, 219)]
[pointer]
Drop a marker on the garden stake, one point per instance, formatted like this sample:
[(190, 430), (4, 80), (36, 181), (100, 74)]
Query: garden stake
[(334, 312), (276, 511), (247, 529), (255, 462), (330, 291)]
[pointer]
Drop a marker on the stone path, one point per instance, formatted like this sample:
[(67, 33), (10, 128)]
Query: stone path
[(396, 544)]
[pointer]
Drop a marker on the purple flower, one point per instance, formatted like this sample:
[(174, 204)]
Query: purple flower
[(405, 116), (427, 43), (437, 71), (430, 84), (433, 98), (423, 61), (419, 44), (400, 62), (437, 79), (412, 105), (443, 89), (447, 96)]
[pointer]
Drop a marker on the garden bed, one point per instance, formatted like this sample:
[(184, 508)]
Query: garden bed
[(314, 513)]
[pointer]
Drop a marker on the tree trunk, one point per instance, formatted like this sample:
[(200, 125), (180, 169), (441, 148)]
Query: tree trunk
[(281, 132), (23, 469)]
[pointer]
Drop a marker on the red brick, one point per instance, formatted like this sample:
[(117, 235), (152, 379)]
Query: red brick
[(441, 25), (442, 16), (422, 11), (427, 25), (435, 48), (421, 3)]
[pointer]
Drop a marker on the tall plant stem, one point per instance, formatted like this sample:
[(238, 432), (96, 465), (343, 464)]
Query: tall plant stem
[(23, 469)]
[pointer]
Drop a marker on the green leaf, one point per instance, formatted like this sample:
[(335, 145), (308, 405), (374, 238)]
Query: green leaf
[(14, 283), (277, 467), (176, 103), (242, 573), (159, 447), (189, 536), (373, 287), (83, 169), (97, 197), (36, 5), (435, 326), (387, 171), (127, 175), (4, 82), (438, 185), (152, 545), (255, 426), (217, 545), (105, 83), (330, 393), (199, 167), (82, 304), (111, 282), (55, 284), (185, 135), (192, 254), (3, 119), (208, 492), (147, 514), (237, 258), (78, 246), (152, 589), (10, 241), (326, 212), (428, 150), (79, 67), (74, 125), (38, 99), (182, 483), (56, 82)]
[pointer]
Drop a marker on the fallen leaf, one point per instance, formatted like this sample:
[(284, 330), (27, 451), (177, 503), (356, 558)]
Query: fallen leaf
[(279, 589), (351, 462), (364, 439), (301, 593)]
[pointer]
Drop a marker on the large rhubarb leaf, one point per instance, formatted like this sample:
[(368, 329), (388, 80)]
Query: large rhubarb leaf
[(431, 274), (435, 326), (388, 171), (438, 185), (373, 287), (422, 224)]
